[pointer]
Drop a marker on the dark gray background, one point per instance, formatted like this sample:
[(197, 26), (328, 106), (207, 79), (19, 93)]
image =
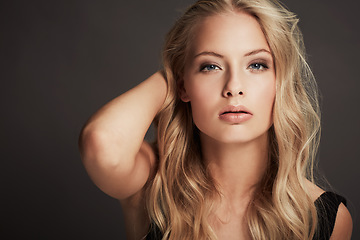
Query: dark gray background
[(62, 60)]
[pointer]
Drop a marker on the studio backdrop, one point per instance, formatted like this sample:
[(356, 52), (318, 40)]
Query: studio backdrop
[(63, 60)]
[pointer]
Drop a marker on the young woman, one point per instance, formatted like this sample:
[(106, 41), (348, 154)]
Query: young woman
[(238, 126)]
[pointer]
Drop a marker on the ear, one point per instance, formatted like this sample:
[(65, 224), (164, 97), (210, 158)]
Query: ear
[(182, 91)]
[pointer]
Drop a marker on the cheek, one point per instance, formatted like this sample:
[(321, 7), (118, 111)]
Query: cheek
[(200, 104), (267, 99), (201, 93), (264, 96), (203, 102), (269, 96)]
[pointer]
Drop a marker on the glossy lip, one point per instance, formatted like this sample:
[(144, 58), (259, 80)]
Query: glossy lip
[(234, 109), (235, 114)]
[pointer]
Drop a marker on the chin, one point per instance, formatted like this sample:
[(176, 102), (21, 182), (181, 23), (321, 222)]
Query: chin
[(237, 140), (239, 137)]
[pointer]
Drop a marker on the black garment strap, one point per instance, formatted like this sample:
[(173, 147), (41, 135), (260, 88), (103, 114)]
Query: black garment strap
[(327, 206)]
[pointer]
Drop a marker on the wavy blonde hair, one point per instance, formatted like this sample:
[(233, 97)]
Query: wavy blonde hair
[(180, 195)]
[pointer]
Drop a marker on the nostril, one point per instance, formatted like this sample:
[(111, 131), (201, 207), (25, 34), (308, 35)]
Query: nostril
[(241, 93), (228, 94)]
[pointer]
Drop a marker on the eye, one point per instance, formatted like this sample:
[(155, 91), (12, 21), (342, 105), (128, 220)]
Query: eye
[(258, 66), (209, 68)]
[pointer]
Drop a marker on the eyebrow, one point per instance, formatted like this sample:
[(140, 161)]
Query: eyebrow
[(254, 52), (209, 54)]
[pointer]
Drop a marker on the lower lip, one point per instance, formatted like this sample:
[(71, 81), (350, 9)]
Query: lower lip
[(235, 117)]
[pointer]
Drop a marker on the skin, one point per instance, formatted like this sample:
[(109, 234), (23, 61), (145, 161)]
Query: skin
[(120, 162), (231, 65)]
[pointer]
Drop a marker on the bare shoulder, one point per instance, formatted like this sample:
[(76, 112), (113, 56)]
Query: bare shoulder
[(343, 224), (134, 207), (135, 216)]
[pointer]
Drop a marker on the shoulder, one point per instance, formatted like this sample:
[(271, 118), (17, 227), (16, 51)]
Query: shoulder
[(134, 207), (343, 221), (343, 224)]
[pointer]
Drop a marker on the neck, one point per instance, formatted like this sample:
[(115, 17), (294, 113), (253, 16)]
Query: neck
[(237, 168)]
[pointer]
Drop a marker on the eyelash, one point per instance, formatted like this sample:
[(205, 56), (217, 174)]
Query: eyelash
[(262, 66), (256, 66), (203, 67)]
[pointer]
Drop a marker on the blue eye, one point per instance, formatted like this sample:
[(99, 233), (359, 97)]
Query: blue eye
[(209, 67), (258, 66)]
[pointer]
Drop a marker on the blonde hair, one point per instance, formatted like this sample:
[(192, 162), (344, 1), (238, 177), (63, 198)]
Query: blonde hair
[(179, 196)]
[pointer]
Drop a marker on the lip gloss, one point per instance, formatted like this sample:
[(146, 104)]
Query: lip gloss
[(234, 117)]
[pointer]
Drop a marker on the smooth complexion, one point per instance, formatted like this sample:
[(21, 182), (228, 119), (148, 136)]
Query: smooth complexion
[(231, 69), (229, 81)]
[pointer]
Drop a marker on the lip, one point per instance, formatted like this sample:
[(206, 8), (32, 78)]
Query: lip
[(235, 114)]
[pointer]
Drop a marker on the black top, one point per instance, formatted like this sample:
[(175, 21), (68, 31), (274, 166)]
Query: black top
[(327, 206)]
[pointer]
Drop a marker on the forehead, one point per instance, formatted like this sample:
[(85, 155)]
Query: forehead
[(231, 32)]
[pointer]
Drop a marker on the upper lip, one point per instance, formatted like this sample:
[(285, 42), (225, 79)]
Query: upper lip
[(234, 109)]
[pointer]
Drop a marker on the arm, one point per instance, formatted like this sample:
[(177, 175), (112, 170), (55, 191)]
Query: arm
[(112, 143)]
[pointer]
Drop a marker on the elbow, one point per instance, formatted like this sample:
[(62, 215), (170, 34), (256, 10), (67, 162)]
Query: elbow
[(99, 151), (102, 155), (99, 146), (89, 142), (108, 164)]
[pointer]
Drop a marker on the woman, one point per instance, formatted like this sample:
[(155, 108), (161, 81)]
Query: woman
[(238, 126)]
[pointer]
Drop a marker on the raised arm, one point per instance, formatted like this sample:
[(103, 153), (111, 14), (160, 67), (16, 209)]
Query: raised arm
[(112, 144)]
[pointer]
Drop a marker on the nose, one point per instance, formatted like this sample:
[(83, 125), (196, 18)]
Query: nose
[(234, 85)]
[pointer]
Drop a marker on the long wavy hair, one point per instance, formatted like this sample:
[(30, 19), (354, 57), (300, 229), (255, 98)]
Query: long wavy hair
[(179, 199)]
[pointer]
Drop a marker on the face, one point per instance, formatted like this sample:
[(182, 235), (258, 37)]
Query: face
[(229, 79)]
